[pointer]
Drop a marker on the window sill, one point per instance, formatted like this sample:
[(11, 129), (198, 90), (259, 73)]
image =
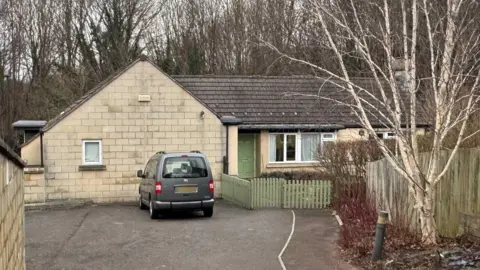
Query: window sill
[(92, 168), (293, 165)]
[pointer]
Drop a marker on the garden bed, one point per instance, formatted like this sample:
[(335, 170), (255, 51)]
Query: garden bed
[(449, 254)]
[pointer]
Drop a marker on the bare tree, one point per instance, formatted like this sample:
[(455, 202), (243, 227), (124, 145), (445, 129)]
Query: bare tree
[(436, 47), (115, 33)]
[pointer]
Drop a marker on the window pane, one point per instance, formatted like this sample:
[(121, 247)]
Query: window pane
[(279, 142), (328, 136), (324, 146), (390, 135), (291, 147), (310, 144), (92, 152), (271, 150), (185, 167), (276, 148)]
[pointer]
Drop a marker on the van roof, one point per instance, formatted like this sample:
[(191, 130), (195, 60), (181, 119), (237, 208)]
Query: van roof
[(180, 154)]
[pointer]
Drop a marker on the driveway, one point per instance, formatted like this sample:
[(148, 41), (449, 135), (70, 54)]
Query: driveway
[(313, 244), (124, 237)]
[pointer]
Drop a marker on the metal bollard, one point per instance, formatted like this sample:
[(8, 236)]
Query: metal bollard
[(379, 235)]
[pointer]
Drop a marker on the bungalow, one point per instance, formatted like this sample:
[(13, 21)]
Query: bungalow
[(245, 125)]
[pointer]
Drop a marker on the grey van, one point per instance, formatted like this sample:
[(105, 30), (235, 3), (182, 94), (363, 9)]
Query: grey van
[(176, 182)]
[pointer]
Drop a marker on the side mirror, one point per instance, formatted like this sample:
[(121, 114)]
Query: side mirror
[(140, 174)]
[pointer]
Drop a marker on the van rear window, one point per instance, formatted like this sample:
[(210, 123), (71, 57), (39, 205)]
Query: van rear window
[(184, 167)]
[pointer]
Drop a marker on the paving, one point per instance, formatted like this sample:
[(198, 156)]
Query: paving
[(313, 245), (124, 237)]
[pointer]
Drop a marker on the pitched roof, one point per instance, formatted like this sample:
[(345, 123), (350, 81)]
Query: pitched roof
[(256, 100), (277, 100)]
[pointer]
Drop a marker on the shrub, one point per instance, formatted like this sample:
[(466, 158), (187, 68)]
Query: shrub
[(344, 163), (296, 175)]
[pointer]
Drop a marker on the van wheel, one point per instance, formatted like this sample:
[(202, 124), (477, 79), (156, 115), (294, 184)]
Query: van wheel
[(152, 211), (141, 204), (208, 212)]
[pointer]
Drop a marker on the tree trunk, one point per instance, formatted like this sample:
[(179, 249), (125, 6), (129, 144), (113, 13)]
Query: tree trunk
[(427, 219)]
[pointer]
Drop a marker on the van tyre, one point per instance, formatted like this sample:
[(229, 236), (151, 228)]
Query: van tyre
[(141, 204), (208, 212), (152, 211)]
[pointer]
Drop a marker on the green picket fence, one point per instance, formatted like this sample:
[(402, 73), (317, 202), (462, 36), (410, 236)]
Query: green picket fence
[(276, 193), (237, 191), (299, 194), (267, 192)]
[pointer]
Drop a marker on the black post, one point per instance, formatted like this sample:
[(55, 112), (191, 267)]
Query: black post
[(225, 163), (379, 235), (41, 148)]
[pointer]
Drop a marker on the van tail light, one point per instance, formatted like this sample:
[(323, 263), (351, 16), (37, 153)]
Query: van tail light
[(158, 187), (211, 186)]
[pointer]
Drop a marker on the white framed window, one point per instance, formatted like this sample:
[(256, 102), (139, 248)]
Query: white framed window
[(387, 135), (92, 152), (8, 172), (326, 139), (297, 147)]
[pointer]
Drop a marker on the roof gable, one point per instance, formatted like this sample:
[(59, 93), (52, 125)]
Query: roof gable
[(102, 85), (99, 87)]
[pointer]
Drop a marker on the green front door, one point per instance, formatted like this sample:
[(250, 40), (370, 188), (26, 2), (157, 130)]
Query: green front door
[(246, 155)]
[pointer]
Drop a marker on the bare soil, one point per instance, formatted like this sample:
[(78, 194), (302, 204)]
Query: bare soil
[(449, 254)]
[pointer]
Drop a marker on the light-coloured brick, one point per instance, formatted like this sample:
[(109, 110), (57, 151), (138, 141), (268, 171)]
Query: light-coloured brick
[(82, 195), (88, 122), (128, 135), (129, 148), (103, 188), (116, 187)]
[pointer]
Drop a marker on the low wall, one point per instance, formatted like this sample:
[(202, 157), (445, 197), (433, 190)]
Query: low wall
[(34, 185), (85, 186)]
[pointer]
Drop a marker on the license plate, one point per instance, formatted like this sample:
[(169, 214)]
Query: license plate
[(187, 189)]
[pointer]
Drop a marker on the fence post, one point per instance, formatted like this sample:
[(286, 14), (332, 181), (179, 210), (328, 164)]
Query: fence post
[(251, 194), (379, 235)]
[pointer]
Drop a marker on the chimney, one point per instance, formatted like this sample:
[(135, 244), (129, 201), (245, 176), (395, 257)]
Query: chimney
[(400, 74)]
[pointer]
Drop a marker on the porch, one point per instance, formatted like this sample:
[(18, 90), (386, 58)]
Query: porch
[(255, 150)]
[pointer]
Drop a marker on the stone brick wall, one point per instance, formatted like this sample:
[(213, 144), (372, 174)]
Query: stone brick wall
[(35, 189), (131, 132), (12, 239)]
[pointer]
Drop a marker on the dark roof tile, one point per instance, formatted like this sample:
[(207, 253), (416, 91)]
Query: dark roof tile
[(279, 100)]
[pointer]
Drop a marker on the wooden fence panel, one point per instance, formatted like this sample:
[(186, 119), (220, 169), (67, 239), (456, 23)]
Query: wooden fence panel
[(457, 192), (267, 192), (237, 191), (276, 193), (300, 194)]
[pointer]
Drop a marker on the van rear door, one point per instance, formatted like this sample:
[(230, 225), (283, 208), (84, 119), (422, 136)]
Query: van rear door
[(185, 178)]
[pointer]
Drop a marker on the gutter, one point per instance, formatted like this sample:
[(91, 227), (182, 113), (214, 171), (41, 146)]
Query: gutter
[(290, 126)]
